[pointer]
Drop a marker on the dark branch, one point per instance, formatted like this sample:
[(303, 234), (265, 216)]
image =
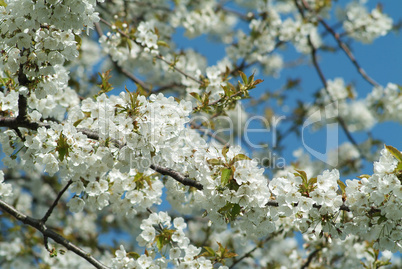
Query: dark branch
[(49, 233), (342, 45), (50, 210), (177, 176), (15, 123), (12, 123), (22, 108), (274, 203), (324, 80), (310, 258), (209, 133)]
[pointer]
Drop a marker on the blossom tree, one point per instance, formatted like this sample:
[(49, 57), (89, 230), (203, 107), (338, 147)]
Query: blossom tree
[(109, 127)]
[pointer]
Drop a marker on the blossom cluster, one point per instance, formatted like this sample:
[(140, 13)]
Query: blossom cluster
[(41, 36), (364, 26), (157, 235), (108, 146), (106, 174), (338, 99), (382, 191), (386, 102)]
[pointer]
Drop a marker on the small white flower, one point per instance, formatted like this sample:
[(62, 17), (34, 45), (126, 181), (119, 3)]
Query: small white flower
[(76, 204)]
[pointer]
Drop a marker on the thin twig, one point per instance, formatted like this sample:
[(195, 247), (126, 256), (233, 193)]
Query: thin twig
[(160, 57), (220, 100), (352, 58), (168, 87), (248, 253), (49, 233), (121, 69), (209, 133), (324, 82), (342, 45), (50, 210)]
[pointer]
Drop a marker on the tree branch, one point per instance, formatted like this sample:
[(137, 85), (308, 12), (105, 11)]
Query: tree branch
[(15, 122), (324, 81), (49, 233), (310, 258), (177, 176), (162, 170), (343, 46), (50, 210)]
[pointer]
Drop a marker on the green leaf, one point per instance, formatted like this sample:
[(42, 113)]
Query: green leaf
[(196, 96), (129, 45), (251, 78), (240, 157), (160, 242), (3, 3), (243, 77), (210, 251), (301, 174), (225, 176), (235, 211), (341, 185), (381, 220), (226, 90), (133, 255), (62, 147), (225, 208), (215, 162), (105, 85), (397, 154), (312, 181), (162, 44), (77, 122), (225, 150), (258, 81)]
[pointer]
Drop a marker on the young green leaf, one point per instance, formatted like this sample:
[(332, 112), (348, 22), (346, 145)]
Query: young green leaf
[(215, 162), (396, 153), (240, 157), (243, 77), (225, 176)]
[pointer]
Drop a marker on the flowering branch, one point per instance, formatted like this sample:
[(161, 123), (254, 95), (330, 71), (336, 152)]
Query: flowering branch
[(18, 122), (39, 225)]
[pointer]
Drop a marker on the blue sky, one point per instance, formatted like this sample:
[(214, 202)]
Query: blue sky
[(382, 60)]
